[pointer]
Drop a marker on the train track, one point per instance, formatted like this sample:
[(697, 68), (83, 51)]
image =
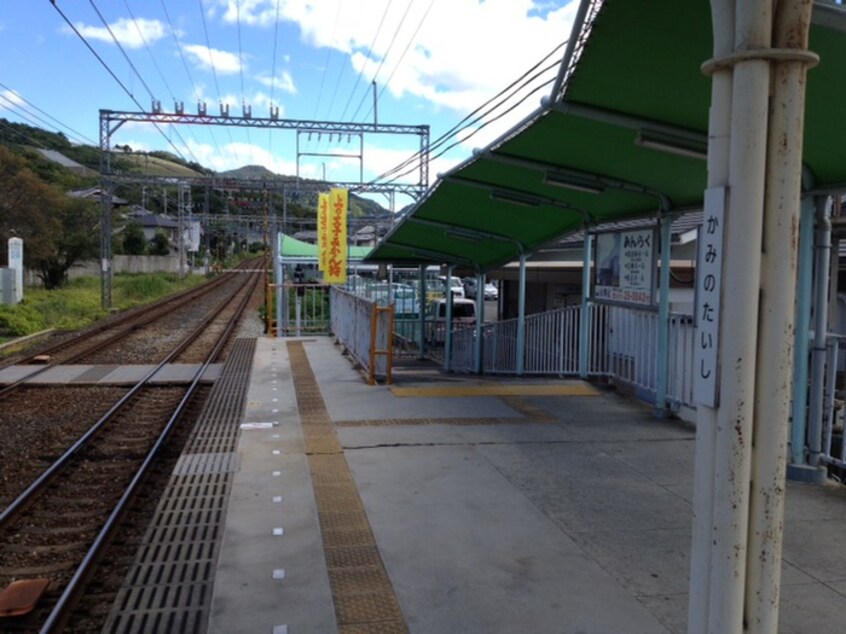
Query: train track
[(53, 533), (102, 342)]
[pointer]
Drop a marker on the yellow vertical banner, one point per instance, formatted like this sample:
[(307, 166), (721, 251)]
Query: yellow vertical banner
[(322, 230), (336, 257)]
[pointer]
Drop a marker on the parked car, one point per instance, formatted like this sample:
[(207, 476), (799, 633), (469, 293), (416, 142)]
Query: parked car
[(455, 284), (491, 291), (463, 315), (404, 297)]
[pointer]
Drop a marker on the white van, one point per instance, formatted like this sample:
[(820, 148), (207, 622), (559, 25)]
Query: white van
[(463, 316)]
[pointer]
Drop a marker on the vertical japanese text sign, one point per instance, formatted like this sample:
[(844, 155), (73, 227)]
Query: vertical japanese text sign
[(322, 230), (708, 285), (15, 251), (336, 257)]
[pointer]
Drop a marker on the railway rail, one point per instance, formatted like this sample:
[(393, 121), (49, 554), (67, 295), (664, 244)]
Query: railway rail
[(104, 336), (54, 532)]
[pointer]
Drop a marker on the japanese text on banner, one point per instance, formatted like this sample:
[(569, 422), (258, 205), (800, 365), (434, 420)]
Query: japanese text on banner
[(322, 230), (336, 257)]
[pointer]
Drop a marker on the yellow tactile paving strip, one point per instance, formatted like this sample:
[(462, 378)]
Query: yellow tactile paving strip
[(573, 388), (365, 602)]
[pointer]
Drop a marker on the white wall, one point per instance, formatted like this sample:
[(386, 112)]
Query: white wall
[(120, 264)]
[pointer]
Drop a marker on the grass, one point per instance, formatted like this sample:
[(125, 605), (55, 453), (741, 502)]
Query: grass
[(78, 304), (156, 166)]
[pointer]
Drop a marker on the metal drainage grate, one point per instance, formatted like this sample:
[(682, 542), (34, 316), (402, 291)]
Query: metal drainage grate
[(169, 586), (204, 463)]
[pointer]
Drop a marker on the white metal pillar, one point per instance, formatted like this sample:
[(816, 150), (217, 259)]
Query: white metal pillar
[(776, 318), (818, 357), (480, 317), (279, 283), (663, 315), (584, 319), (741, 432), (803, 327), (421, 341), (521, 318), (448, 321)]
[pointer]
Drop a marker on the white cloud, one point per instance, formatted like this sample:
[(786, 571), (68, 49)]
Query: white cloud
[(7, 96), (237, 154), (130, 33), (284, 82), (461, 51), (251, 12), (223, 62), (137, 145), (442, 56)]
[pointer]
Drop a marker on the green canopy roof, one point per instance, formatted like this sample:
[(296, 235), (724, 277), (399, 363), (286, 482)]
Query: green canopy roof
[(590, 154), (297, 249)]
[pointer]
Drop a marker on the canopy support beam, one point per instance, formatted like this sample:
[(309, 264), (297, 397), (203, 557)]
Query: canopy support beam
[(521, 317), (585, 320), (663, 315)]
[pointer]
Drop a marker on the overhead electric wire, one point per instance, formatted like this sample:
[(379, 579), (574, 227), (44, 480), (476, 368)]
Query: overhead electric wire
[(194, 90), (208, 48), (385, 56), (158, 69), (361, 72), (120, 48), (399, 61), (137, 74), (273, 75), (323, 79), (340, 70), (214, 74), (471, 119), (25, 136), (325, 72), (111, 72), (469, 136), (79, 135), (21, 112), (93, 52), (147, 47), (241, 73), (480, 112)]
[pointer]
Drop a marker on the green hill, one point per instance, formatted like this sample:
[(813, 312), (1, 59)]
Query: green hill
[(359, 206), (23, 139), (154, 165)]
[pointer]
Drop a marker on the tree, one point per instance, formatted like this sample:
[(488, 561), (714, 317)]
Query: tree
[(160, 244), (57, 231), (75, 240), (134, 240)]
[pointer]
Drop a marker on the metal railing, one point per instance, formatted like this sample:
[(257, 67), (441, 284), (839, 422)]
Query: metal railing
[(365, 330), (305, 310), (623, 345)]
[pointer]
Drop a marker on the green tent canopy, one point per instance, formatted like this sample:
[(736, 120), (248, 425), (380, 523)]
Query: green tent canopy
[(293, 249)]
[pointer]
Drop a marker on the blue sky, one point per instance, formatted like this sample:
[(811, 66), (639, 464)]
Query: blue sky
[(433, 61)]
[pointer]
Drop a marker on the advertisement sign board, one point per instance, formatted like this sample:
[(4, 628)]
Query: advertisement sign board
[(625, 266)]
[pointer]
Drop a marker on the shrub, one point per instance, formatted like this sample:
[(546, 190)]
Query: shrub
[(21, 319)]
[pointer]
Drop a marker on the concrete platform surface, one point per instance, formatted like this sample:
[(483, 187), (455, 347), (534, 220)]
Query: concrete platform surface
[(492, 511)]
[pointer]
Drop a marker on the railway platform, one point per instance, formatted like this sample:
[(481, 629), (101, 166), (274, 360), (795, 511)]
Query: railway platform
[(451, 504)]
